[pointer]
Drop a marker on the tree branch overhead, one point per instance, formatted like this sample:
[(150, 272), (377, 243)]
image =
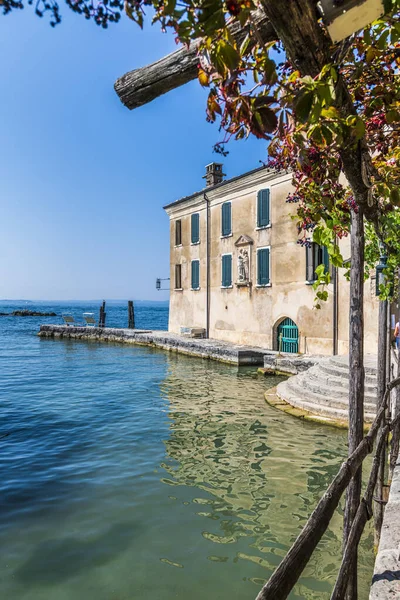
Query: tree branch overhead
[(145, 84)]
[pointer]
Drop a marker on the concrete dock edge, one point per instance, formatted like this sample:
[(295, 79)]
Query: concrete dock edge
[(386, 578)]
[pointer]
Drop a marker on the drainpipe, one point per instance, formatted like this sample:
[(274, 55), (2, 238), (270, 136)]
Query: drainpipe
[(335, 332), (207, 265), (335, 310)]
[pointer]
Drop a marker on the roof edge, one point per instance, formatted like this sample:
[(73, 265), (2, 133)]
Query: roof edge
[(219, 185)]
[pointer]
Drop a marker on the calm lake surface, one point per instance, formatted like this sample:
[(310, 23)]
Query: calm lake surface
[(131, 474)]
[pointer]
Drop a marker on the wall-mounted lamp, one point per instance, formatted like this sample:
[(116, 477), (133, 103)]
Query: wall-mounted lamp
[(158, 283), (380, 276)]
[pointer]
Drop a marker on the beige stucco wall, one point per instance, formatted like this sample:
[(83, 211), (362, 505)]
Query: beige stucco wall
[(249, 315)]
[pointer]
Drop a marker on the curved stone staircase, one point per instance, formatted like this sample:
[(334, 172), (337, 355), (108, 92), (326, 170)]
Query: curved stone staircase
[(324, 388)]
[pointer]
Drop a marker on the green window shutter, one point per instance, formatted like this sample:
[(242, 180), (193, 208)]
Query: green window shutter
[(263, 266), (310, 263), (178, 232), (178, 277), (227, 270), (195, 274), (263, 208), (226, 218), (195, 228)]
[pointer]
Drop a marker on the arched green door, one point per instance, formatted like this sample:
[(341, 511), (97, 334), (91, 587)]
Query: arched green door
[(289, 342)]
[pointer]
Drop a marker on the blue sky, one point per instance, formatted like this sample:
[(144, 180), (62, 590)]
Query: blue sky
[(82, 179)]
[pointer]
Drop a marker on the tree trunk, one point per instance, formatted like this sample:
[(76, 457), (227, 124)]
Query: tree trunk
[(356, 380)]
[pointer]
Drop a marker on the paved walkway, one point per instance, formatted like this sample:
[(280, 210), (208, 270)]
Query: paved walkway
[(213, 349), (386, 579)]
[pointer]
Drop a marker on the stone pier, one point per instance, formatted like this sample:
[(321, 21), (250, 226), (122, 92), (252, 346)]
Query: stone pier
[(210, 349)]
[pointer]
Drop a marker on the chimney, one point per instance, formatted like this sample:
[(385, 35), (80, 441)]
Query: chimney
[(214, 174)]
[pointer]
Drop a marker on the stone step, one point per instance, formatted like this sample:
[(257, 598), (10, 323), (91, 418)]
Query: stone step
[(338, 381), (323, 389), (339, 401), (370, 363), (341, 371), (318, 382), (341, 414)]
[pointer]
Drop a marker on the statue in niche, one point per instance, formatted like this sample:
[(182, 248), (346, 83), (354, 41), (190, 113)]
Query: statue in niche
[(246, 265), (243, 266), (241, 270)]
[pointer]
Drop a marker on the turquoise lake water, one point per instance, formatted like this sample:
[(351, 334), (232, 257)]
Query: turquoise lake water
[(129, 474)]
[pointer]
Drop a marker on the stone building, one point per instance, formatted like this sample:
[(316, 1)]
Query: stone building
[(238, 273)]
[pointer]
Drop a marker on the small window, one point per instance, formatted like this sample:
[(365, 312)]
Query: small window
[(195, 228), (178, 232), (263, 266), (178, 277), (226, 270), (226, 218), (315, 255), (195, 274), (263, 208)]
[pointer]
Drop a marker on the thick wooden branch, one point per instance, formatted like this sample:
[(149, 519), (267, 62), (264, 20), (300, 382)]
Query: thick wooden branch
[(143, 85)]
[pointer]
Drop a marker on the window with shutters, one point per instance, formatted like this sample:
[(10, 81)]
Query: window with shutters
[(195, 223), (226, 280), (195, 275), (226, 219), (263, 208), (178, 277), (263, 267), (315, 255), (178, 232)]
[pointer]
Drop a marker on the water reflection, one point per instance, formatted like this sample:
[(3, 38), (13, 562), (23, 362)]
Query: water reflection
[(253, 474), (86, 510)]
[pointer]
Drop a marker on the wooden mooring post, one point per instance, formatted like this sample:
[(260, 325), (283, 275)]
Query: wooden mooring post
[(131, 315), (356, 385), (102, 316)]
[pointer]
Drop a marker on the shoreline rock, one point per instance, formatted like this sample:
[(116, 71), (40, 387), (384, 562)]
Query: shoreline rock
[(28, 313)]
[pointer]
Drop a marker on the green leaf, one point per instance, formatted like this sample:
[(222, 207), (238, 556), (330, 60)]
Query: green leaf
[(263, 100), (322, 295), (367, 37), (327, 134), (270, 75), (229, 55), (359, 128), (304, 105), (308, 80), (383, 38), (203, 78), (330, 113), (244, 45), (351, 120), (268, 119), (395, 196), (392, 116)]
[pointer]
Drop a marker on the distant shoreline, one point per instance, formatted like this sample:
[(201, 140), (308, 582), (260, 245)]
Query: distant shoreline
[(138, 302)]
